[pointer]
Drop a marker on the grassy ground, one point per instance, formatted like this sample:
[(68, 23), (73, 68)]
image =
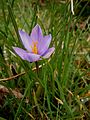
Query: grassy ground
[(61, 89)]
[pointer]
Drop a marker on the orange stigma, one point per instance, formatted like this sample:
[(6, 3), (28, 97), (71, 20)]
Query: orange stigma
[(34, 47)]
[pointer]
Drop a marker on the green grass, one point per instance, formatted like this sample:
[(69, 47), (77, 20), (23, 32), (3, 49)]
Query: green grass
[(61, 89)]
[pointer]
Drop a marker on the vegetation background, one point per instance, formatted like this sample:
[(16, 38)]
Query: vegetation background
[(61, 89)]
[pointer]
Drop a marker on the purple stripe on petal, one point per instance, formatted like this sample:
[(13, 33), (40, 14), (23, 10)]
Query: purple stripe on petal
[(26, 40), (44, 44), (25, 55), (49, 52), (36, 34)]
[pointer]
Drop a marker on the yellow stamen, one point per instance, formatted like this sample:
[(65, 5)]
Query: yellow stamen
[(34, 47)]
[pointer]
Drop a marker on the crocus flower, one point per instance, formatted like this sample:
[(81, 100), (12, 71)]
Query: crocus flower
[(36, 45)]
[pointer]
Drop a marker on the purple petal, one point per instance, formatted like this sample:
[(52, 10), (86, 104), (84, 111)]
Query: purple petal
[(49, 52), (26, 40), (25, 55), (44, 44), (36, 34)]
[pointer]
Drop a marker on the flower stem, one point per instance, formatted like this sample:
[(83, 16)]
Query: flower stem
[(39, 88), (37, 67)]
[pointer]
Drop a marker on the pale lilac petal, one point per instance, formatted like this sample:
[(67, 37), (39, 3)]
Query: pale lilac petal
[(26, 40), (25, 55), (49, 52), (44, 44), (20, 52), (32, 57), (36, 34)]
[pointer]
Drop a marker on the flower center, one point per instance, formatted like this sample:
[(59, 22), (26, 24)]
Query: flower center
[(34, 47)]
